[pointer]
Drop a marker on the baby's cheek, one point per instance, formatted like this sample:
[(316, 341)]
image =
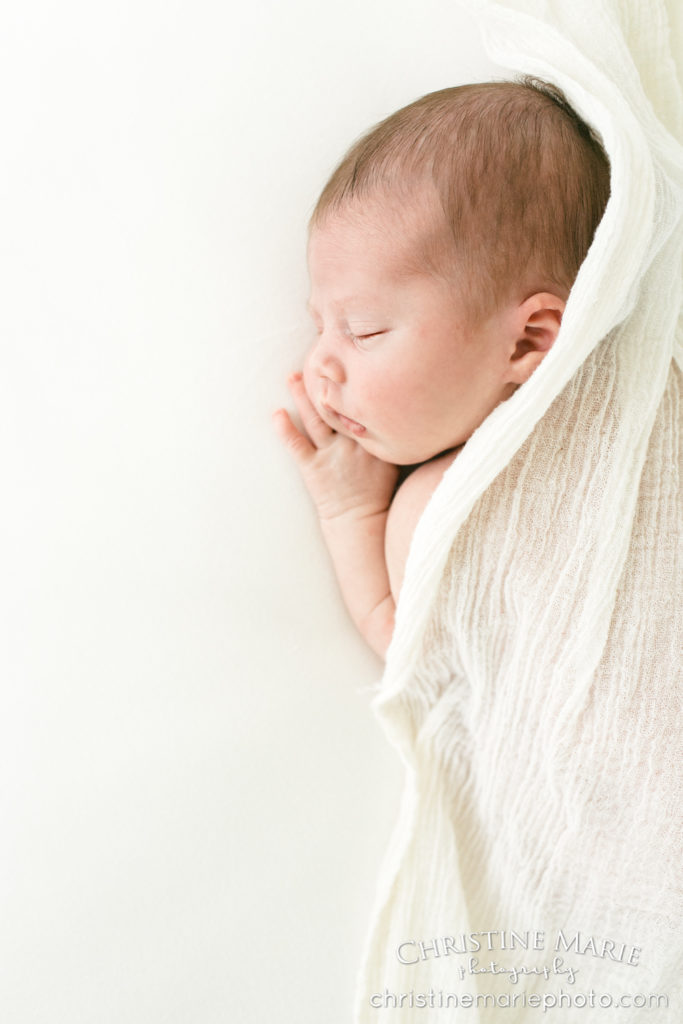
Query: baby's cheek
[(395, 394), (377, 395)]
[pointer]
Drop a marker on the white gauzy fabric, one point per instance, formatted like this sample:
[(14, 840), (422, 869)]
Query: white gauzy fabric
[(533, 684)]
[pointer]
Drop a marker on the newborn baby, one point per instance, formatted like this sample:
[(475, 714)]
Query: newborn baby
[(441, 254)]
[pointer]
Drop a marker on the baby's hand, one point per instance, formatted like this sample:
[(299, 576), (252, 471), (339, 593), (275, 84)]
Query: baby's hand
[(341, 477)]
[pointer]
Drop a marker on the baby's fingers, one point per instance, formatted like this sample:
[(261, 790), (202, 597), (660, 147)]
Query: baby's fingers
[(297, 443), (316, 428)]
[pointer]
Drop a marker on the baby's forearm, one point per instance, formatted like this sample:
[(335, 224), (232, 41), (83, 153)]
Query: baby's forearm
[(356, 544), (352, 491)]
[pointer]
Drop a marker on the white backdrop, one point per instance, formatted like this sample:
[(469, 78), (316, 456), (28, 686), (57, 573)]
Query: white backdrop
[(195, 796)]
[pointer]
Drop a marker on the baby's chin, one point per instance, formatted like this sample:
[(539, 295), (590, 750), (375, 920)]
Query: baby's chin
[(407, 457), (394, 454)]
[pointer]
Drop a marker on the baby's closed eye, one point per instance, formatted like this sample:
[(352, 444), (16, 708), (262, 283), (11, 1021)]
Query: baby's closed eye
[(364, 335)]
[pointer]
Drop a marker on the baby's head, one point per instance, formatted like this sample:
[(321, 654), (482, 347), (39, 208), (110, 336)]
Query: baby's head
[(441, 252)]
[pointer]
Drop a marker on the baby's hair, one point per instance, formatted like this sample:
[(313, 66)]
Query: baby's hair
[(519, 184)]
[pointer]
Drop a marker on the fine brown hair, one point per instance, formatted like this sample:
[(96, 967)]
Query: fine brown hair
[(520, 184)]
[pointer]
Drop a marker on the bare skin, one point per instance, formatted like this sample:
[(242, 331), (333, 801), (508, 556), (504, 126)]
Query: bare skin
[(352, 491), (367, 523), (398, 377)]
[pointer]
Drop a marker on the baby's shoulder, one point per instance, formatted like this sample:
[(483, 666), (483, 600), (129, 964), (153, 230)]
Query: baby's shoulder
[(408, 505)]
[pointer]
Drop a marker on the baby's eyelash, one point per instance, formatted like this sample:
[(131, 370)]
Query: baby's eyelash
[(364, 337)]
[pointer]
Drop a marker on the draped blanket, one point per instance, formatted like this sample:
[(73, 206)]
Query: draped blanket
[(533, 685)]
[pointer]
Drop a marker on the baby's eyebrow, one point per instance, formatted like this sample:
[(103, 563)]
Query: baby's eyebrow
[(339, 307)]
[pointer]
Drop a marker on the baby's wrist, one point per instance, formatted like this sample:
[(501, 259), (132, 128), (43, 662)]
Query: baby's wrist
[(358, 515)]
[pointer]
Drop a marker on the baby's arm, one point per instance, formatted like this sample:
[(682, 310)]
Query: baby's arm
[(366, 527), (352, 492), (408, 505)]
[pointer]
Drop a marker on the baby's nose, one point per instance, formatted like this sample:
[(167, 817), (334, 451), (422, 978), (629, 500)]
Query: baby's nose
[(324, 362)]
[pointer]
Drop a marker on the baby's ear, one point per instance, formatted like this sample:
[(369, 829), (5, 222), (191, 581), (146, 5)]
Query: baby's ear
[(537, 324)]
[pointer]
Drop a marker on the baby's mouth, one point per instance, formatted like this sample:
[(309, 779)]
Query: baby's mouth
[(351, 425)]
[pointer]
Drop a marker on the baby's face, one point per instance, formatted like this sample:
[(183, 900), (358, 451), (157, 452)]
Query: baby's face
[(395, 365)]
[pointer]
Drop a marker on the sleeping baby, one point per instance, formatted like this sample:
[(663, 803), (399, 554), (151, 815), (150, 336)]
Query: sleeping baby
[(441, 255)]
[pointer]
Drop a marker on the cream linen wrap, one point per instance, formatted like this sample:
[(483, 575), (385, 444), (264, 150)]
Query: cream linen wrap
[(533, 683)]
